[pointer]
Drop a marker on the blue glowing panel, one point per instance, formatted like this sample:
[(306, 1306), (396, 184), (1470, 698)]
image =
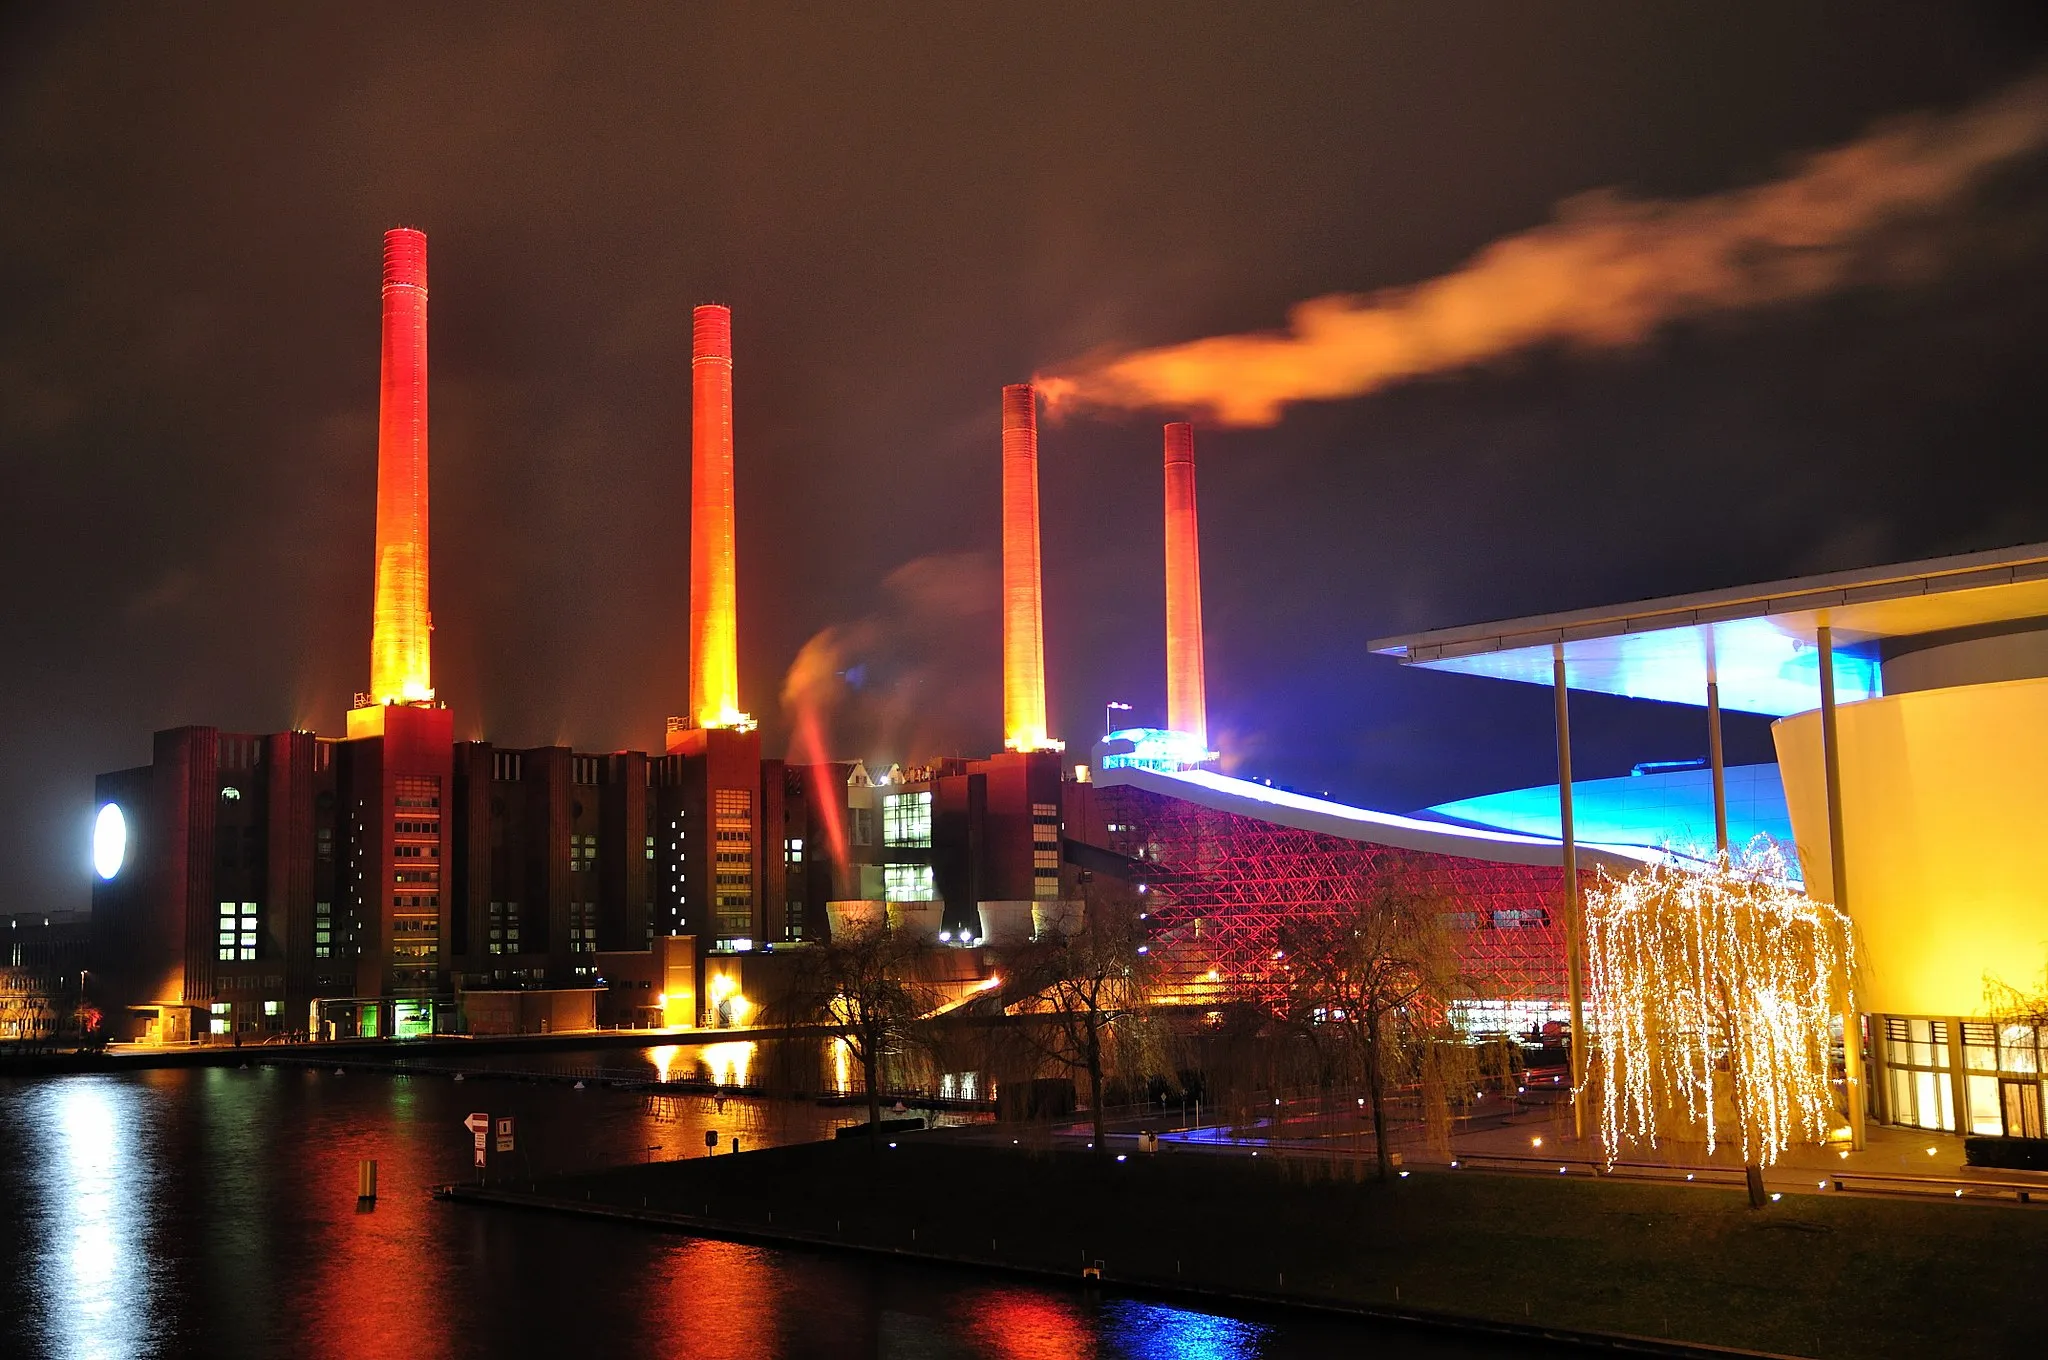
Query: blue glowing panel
[(1672, 808), (1153, 748), (1763, 666)]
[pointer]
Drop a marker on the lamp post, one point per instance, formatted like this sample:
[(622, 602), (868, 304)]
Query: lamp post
[(1109, 711)]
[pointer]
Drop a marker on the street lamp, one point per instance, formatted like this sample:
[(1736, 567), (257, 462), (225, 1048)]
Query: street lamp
[(1108, 715)]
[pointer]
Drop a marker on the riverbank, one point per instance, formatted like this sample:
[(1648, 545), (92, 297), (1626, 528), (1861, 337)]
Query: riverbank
[(1812, 1275), (130, 1057)]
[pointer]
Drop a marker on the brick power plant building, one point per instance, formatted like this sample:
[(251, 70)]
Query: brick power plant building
[(396, 882)]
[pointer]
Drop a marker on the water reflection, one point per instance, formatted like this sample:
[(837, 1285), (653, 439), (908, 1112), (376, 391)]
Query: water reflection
[(1150, 1331), (728, 1064), (89, 1227), (1015, 1323), (173, 1213)]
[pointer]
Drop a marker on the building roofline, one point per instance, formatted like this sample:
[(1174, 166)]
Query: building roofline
[(1803, 594), (1307, 813)]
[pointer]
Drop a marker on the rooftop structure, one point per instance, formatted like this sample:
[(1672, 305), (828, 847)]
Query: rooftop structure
[(1757, 642), (1655, 806)]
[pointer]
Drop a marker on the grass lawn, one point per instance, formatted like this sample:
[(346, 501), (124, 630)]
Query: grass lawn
[(1811, 1275)]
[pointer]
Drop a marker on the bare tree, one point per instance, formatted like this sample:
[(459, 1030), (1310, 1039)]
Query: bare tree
[(865, 986), (1380, 970), (1084, 989)]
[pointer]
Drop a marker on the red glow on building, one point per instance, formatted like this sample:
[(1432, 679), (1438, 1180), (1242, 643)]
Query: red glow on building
[(714, 609), (1024, 727), (807, 749), (1186, 704), (1224, 889), (401, 669)]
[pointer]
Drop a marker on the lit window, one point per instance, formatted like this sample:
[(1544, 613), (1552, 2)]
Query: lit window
[(908, 883), (907, 819)]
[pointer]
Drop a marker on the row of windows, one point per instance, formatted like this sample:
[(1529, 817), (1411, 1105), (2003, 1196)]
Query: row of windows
[(2000, 1075)]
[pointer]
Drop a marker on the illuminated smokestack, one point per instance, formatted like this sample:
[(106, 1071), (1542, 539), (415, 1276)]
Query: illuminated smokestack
[(714, 626), (1023, 612), (401, 670), (1186, 708)]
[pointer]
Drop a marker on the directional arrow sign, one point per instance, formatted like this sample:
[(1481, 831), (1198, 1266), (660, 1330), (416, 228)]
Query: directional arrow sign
[(478, 1124)]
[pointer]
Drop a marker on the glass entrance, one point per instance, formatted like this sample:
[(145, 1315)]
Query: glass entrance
[(2021, 1104)]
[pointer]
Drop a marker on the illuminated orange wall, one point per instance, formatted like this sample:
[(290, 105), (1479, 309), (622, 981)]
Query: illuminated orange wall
[(714, 628), (1944, 805), (401, 633), (1023, 619), (1186, 707)]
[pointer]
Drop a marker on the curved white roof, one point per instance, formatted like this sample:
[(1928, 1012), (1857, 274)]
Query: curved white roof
[(1305, 813)]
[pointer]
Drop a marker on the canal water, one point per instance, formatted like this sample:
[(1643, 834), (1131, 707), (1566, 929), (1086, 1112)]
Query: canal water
[(212, 1211)]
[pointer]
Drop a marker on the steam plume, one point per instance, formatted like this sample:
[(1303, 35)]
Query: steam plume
[(1606, 271), (908, 680)]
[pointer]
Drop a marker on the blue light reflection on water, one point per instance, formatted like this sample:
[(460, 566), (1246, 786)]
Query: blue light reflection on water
[(1152, 1331)]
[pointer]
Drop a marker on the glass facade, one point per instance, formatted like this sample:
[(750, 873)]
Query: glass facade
[(909, 883), (1963, 1076), (907, 819)]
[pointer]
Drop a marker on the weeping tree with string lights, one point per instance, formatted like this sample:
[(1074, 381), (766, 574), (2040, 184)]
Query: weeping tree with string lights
[(1712, 995)]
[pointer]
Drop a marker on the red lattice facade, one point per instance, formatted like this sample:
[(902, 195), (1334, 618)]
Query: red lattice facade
[(1225, 886)]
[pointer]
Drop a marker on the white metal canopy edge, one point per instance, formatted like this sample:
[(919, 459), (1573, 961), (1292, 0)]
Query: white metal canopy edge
[(1756, 641)]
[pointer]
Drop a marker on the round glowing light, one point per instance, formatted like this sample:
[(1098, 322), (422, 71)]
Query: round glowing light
[(109, 840)]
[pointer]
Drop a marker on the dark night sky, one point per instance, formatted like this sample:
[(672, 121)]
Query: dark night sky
[(908, 207)]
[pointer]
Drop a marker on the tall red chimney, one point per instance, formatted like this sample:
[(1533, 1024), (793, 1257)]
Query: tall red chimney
[(1186, 706), (714, 611), (401, 669), (1023, 611)]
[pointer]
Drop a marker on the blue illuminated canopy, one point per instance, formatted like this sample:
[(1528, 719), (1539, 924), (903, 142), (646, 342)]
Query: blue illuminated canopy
[(1758, 641)]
